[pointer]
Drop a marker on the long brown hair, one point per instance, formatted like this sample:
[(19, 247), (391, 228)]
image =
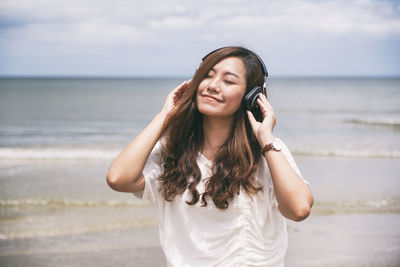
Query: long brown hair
[(234, 164)]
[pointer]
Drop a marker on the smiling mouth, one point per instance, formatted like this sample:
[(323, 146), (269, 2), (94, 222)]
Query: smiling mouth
[(211, 98)]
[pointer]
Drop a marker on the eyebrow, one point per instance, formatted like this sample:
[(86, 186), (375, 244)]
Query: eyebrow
[(231, 73), (227, 73)]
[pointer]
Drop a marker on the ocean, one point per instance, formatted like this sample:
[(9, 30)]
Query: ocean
[(59, 135)]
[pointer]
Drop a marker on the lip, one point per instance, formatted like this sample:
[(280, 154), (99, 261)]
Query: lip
[(211, 97)]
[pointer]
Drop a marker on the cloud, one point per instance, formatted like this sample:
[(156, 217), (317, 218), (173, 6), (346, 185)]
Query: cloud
[(132, 19), (58, 26)]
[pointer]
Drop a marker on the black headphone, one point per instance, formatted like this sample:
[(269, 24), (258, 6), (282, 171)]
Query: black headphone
[(250, 99)]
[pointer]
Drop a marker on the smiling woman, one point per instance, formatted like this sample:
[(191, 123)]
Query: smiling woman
[(220, 93), (221, 182)]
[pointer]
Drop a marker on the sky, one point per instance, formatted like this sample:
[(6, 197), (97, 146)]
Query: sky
[(169, 37)]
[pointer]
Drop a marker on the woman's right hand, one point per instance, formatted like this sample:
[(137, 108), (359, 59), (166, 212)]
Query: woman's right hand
[(173, 97), (125, 173)]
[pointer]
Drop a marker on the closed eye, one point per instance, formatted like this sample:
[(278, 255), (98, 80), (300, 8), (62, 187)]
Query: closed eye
[(210, 73), (229, 82)]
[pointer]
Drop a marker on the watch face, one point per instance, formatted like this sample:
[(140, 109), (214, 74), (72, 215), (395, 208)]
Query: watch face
[(277, 146)]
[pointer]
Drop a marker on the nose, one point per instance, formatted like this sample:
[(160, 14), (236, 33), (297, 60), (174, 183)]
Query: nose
[(213, 85)]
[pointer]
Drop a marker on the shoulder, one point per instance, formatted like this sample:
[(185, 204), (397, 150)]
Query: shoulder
[(280, 141), (156, 154)]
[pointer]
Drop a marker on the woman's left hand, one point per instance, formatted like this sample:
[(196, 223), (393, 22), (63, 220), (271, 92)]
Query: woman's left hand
[(263, 130)]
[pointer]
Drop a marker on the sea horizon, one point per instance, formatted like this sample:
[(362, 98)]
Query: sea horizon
[(160, 76)]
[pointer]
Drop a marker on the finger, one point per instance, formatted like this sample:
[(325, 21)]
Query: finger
[(265, 100), (263, 108), (185, 87), (266, 105), (176, 89), (179, 90), (252, 120), (267, 109)]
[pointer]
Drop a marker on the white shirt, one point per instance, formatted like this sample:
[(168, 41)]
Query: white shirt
[(251, 232)]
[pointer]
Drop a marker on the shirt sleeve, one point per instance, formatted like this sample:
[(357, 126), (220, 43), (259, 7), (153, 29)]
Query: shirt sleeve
[(290, 159), (292, 163), (152, 170)]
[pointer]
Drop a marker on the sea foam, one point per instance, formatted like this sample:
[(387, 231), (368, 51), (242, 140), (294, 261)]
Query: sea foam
[(109, 154)]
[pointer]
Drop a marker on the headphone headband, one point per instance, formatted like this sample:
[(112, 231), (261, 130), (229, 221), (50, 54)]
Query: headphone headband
[(263, 67)]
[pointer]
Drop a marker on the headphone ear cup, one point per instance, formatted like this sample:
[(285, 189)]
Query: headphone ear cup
[(250, 99)]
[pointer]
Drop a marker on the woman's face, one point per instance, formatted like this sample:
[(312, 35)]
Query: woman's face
[(220, 93)]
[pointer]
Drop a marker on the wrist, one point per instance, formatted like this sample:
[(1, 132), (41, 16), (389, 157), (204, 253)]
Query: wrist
[(275, 145), (267, 139), (159, 119), (162, 115)]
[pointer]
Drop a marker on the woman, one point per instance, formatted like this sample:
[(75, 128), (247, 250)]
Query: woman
[(221, 182)]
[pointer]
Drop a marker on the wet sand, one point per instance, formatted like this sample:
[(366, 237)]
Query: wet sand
[(354, 222), (321, 240), (345, 240)]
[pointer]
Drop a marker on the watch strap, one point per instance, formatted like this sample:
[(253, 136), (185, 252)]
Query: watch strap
[(266, 148)]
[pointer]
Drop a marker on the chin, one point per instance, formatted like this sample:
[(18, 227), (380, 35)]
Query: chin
[(213, 113), (211, 110), (208, 111)]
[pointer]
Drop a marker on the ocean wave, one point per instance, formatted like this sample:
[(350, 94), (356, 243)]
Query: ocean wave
[(72, 203), (380, 122), (109, 154), (350, 153), (344, 204), (56, 153), (65, 230), (353, 207)]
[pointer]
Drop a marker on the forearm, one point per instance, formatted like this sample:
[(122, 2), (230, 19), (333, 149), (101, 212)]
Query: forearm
[(126, 169), (293, 194)]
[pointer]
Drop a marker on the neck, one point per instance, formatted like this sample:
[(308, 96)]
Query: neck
[(215, 131)]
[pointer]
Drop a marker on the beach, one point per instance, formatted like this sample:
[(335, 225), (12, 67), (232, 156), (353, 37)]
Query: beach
[(309, 245), (122, 248), (59, 136), (40, 232)]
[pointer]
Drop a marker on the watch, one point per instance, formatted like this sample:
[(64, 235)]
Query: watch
[(275, 145)]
